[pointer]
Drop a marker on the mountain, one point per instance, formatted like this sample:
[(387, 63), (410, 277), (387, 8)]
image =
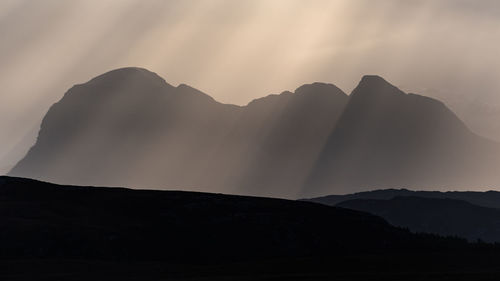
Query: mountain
[(489, 199), (388, 139), (129, 127), (125, 120), (446, 217)]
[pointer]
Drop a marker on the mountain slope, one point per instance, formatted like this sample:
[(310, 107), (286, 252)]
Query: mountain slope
[(387, 138), (441, 216), (128, 127), (42, 220), (489, 199), (122, 121), (54, 232)]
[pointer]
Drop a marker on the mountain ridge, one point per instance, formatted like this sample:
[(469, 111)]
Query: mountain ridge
[(443, 216), (489, 199), (314, 140)]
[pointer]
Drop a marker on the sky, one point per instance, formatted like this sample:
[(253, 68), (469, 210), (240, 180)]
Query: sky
[(238, 50)]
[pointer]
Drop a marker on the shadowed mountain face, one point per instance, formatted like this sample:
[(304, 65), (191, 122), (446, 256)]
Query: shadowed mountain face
[(387, 138), (129, 127), (431, 215), (489, 199)]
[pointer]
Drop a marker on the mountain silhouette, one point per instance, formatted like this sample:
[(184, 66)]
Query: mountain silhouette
[(54, 232), (489, 199), (51, 221), (387, 139), (446, 217), (128, 127)]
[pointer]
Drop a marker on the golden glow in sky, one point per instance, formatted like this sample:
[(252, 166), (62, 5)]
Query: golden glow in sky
[(239, 50)]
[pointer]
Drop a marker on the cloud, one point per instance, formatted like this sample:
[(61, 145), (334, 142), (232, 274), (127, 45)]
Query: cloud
[(240, 50)]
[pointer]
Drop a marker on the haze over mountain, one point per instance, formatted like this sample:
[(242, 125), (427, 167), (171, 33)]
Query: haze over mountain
[(387, 138), (128, 127)]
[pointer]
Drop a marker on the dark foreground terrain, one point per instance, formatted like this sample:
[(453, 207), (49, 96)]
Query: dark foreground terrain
[(471, 215), (441, 216), (51, 232), (489, 199)]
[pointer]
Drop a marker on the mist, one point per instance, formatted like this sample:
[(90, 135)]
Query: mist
[(237, 51)]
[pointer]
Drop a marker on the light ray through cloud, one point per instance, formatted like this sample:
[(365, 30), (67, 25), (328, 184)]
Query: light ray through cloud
[(240, 50)]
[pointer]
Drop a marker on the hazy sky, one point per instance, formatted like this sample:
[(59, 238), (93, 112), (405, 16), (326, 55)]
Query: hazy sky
[(237, 50)]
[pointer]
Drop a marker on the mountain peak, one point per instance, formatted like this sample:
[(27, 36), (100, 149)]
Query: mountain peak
[(128, 75), (281, 145), (319, 88), (375, 85), (373, 78)]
